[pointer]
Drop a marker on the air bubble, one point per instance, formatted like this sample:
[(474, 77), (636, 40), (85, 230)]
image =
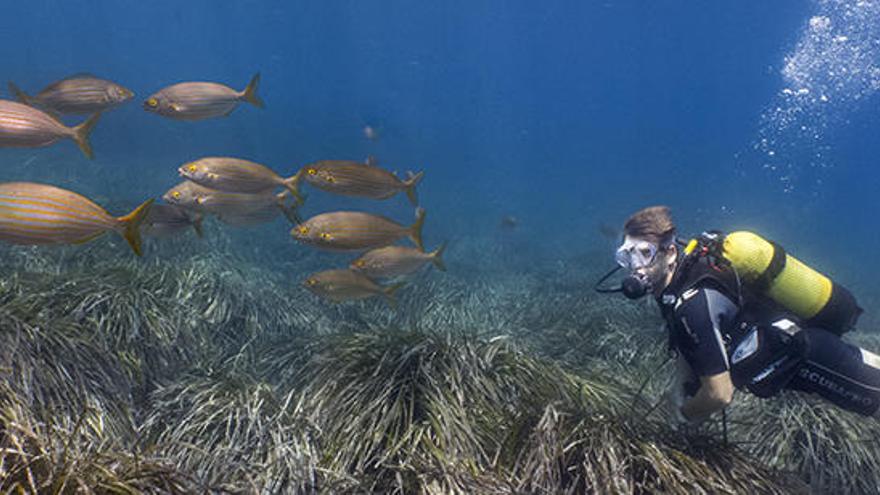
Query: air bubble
[(820, 23)]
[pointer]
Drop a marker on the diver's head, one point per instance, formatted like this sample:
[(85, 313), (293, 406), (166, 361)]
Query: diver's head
[(648, 252)]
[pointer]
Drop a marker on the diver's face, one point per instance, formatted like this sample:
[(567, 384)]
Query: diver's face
[(648, 261)]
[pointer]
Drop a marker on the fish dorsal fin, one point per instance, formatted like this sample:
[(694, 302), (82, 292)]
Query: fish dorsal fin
[(78, 75)]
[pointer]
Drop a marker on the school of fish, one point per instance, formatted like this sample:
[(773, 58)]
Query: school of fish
[(235, 191)]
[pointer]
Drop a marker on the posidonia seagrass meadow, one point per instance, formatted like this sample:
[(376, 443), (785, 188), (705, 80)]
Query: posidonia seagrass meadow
[(205, 368)]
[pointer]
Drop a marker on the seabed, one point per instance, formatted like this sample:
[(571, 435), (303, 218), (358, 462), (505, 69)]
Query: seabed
[(203, 369)]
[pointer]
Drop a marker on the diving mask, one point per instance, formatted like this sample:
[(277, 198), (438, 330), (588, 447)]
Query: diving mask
[(633, 255)]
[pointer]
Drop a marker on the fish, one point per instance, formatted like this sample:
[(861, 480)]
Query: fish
[(345, 285), (239, 209), (23, 126), (34, 214), (356, 231), (77, 95), (201, 100), (396, 261), (169, 220), (351, 178), (234, 175), (509, 222), (257, 216)]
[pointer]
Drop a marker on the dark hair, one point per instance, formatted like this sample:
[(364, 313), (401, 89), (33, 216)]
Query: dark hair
[(653, 223)]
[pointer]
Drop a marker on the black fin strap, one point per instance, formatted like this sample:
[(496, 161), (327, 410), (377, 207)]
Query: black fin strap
[(777, 264)]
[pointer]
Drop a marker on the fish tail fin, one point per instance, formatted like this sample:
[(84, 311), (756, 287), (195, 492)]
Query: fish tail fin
[(19, 94), (197, 226), (437, 257), (291, 213), (292, 185), (81, 134), (411, 184), (415, 232), (250, 92), (389, 292), (132, 223)]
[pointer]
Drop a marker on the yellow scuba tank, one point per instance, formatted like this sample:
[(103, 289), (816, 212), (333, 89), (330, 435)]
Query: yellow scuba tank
[(768, 269)]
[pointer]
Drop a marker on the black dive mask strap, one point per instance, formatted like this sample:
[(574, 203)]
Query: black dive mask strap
[(608, 290)]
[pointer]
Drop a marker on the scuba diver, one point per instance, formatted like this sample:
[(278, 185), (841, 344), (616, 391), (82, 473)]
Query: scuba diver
[(743, 313)]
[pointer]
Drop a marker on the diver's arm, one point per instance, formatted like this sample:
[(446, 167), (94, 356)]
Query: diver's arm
[(699, 315), (715, 394)]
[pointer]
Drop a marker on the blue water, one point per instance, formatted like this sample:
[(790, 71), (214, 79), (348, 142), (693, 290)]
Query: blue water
[(564, 114)]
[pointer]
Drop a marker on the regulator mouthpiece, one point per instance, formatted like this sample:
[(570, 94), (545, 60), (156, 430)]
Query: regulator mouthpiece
[(634, 286)]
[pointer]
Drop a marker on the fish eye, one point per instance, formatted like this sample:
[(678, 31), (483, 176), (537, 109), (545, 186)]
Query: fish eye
[(193, 168), (153, 102), (303, 230), (311, 281), (326, 236), (175, 195), (360, 263), (311, 171)]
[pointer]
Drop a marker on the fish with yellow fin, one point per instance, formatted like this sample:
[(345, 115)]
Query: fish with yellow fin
[(345, 285), (23, 126), (234, 175), (238, 209), (352, 178), (356, 231), (201, 100), (34, 214), (80, 94), (396, 261)]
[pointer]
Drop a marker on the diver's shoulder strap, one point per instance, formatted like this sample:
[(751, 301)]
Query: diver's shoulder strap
[(696, 272), (699, 271)]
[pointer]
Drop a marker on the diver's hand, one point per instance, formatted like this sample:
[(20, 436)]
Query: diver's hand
[(676, 394), (673, 400)]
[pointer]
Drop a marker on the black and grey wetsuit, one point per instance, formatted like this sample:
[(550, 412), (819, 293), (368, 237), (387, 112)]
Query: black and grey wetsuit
[(764, 348)]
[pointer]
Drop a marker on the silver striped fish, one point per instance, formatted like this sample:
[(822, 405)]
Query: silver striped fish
[(257, 216), (23, 126), (351, 178), (356, 231), (78, 95), (346, 285), (396, 261), (33, 214), (239, 209), (201, 100), (233, 175)]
